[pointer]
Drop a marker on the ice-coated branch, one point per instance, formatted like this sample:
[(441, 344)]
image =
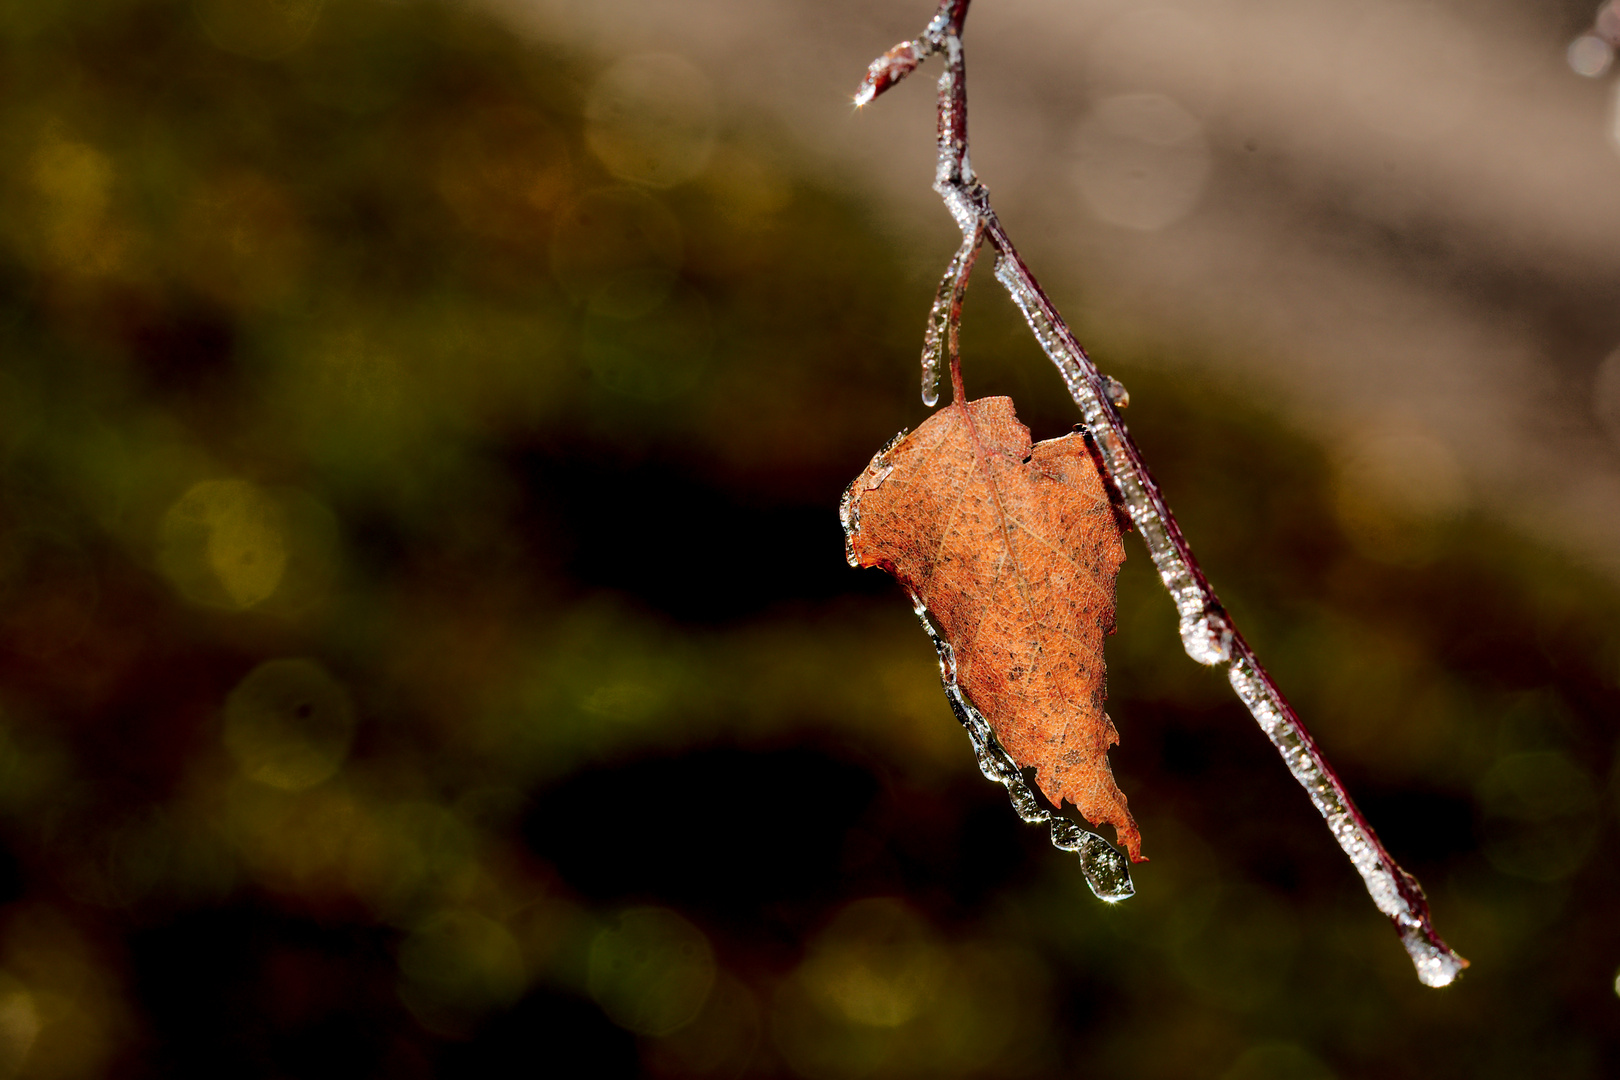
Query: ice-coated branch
[(1207, 633)]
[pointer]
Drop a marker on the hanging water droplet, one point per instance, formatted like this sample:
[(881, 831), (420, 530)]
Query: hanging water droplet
[(1207, 637), (930, 380), (1435, 966), (1116, 392), (1106, 870)]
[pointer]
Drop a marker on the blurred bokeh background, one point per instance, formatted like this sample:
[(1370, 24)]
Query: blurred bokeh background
[(426, 647)]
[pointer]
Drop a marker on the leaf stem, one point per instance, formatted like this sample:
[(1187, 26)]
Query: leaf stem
[(1207, 632)]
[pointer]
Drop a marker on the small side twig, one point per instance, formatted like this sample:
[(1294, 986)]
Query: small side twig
[(1207, 632)]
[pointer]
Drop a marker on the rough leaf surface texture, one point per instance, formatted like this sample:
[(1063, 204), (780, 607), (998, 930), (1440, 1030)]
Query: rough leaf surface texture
[(1014, 550)]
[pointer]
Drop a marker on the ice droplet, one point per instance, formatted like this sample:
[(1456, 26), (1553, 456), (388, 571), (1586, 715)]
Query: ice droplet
[(1105, 869), (1206, 636), (1116, 391)]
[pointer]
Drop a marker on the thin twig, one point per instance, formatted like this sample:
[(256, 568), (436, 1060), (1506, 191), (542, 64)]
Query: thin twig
[(1207, 632)]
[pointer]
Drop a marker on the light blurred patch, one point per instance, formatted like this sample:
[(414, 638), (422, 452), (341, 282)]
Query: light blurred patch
[(721, 1041), (991, 1014), (657, 358), (879, 992), (59, 996), (1141, 161), (328, 843), (504, 171), (1394, 492), (1590, 55), (877, 964), (1538, 815), (74, 182), (259, 29), (1277, 1061), (235, 545), (820, 1045), (651, 972), (224, 544), (288, 724), (432, 848), (602, 682), (651, 119), (19, 1025), (456, 966), (750, 186), (74, 177), (616, 251)]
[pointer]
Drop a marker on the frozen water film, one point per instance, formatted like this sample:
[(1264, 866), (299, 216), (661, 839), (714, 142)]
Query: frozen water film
[(1106, 870), (1206, 633), (1396, 892), (940, 335)]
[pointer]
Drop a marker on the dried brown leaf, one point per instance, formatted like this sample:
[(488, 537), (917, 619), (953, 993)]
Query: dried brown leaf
[(1014, 550)]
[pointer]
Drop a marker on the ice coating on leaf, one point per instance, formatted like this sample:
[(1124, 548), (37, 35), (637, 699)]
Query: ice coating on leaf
[(849, 507), (1106, 871)]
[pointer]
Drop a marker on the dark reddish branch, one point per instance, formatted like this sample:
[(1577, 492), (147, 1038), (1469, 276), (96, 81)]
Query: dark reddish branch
[(962, 191), (889, 69), (997, 238)]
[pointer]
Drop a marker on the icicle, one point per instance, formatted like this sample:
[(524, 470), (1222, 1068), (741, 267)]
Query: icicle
[(937, 335)]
